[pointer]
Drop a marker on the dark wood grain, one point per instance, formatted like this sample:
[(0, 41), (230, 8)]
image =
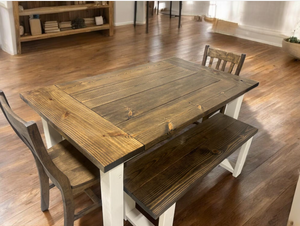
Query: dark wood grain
[(100, 141), (157, 180), (148, 100)]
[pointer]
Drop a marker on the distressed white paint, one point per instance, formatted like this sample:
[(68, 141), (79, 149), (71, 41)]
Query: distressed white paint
[(226, 165), (135, 217), (51, 135), (242, 158), (233, 108), (112, 196)]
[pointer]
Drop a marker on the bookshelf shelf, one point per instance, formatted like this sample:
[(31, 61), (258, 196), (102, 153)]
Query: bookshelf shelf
[(60, 11), (29, 38)]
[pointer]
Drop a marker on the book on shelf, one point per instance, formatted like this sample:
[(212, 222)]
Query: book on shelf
[(65, 29), (52, 31)]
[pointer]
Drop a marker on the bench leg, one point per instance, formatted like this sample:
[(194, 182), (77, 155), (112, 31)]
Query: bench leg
[(112, 196), (233, 109), (51, 135), (242, 158), (135, 217), (167, 218)]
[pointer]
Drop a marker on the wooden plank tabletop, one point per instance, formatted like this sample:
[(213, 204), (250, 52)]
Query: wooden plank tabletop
[(112, 117)]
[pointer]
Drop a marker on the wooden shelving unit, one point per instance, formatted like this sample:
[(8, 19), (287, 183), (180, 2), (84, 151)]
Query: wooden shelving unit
[(60, 11)]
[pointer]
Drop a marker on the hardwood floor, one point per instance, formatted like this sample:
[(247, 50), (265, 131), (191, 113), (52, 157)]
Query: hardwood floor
[(261, 195)]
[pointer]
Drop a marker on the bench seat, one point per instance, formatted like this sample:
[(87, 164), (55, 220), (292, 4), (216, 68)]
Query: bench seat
[(157, 180)]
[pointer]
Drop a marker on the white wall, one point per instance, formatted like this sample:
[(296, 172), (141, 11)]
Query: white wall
[(194, 8), (264, 21), (124, 13), (7, 29)]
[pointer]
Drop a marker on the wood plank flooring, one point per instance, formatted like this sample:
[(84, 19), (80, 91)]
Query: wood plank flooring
[(261, 195)]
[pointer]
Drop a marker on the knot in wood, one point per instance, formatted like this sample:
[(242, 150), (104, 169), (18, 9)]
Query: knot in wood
[(170, 126), (215, 152), (66, 114)]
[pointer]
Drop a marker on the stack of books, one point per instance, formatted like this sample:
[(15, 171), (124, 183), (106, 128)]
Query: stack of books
[(89, 21), (51, 27), (66, 25)]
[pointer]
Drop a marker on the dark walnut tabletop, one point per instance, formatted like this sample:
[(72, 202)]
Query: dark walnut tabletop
[(114, 116)]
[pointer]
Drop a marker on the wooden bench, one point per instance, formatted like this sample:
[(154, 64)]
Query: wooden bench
[(157, 180)]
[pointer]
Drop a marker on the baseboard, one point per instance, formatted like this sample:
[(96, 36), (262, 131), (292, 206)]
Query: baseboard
[(127, 23), (266, 36), (8, 50)]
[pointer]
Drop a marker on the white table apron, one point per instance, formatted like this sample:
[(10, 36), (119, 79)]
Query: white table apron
[(112, 182)]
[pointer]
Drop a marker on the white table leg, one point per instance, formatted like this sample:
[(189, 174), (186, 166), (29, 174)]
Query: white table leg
[(294, 217), (233, 108), (112, 196), (51, 135)]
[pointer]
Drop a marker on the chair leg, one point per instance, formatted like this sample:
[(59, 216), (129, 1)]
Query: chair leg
[(69, 208), (44, 186)]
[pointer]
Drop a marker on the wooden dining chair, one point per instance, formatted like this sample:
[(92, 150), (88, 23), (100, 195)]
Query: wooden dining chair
[(223, 58), (70, 171), (225, 61)]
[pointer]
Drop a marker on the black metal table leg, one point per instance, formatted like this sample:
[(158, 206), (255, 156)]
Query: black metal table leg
[(147, 16), (157, 8), (180, 8), (135, 7), (170, 9)]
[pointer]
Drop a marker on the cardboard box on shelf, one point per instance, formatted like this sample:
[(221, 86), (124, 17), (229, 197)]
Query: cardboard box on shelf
[(35, 26)]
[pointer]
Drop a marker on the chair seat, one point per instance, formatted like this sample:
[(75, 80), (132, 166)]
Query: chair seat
[(73, 164)]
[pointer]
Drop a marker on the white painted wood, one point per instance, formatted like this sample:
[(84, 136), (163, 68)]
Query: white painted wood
[(129, 205), (112, 196), (242, 158), (135, 217), (294, 217), (226, 165), (233, 108), (167, 218), (51, 135)]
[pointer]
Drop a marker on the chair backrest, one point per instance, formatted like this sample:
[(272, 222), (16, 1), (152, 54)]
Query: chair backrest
[(30, 135), (220, 55)]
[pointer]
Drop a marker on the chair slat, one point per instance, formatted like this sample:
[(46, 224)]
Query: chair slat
[(218, 64), (223, 65), (231, 68), (210, 61)]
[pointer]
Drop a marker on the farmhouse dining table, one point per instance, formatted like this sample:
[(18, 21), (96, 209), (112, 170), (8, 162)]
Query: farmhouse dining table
[(113, 117)]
